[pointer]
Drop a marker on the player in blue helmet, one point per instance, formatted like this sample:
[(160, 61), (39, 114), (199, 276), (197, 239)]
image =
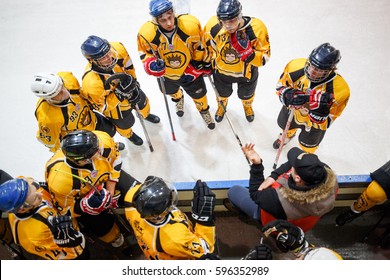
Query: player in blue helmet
[(317, 93), (98, 51), (114, 99), (179, 63), (34, 223), (322, 62), (13, 195), (158, 7)]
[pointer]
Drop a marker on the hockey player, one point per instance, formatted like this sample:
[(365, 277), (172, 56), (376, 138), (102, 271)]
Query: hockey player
[(300, 190), (85, 177), (238, 45), (61, 108), (376, 193), (164, 232), (36, 227), (5, 230), (113, 100), (288, 239), (171, 49), (316, 92)]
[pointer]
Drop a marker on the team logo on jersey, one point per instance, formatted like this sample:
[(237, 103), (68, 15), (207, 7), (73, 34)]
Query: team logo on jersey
[(175, 59), (229, 55), (77, 107)]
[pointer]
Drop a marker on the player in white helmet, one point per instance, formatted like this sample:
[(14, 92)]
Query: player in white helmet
[(61, 108)]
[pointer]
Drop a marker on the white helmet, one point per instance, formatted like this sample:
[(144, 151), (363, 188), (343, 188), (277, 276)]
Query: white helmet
[(46, 85), (322, 254)]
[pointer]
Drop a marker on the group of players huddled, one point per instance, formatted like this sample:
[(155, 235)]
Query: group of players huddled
[(84, 180)]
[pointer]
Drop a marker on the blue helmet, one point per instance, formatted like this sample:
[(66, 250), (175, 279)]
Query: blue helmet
[(95, 48), (228, 9), (158, 7), (13, 194), (325, 58)]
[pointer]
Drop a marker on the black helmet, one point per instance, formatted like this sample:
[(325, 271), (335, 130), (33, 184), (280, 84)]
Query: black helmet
[(155, 198), (79, 145), (324, 57), (228, 9)]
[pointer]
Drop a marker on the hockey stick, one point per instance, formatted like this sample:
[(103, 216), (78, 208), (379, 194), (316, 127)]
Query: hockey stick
[(284, 135), (141, 119), (226, 115), (162, 85), (117, 217)]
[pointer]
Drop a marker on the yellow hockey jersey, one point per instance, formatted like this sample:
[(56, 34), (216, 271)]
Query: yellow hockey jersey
[(55, 121), (31, 231), (103, 99), (65, 189), (184, 45), (224, 56), (175, 239), (294, 76)]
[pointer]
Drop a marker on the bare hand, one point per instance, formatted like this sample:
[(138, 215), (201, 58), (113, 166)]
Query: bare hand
[(266, 183), (251, 154)]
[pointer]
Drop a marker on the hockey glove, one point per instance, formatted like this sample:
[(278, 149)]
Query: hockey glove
[(154, 66), (203, 204), (94, 203), (320, 103), (203, 66), (63, 232), (127, 88), (288, 237), (260, 252), (242, 45), (319, 98), (190, 74), (292, 97)]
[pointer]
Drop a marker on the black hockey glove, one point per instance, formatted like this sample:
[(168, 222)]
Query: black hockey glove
[(63, 232), (288, 237), (260, 252), (203, 204), (292, 97), (127, 88)]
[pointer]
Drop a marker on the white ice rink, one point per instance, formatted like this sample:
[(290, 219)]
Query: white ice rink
[(43, 35)]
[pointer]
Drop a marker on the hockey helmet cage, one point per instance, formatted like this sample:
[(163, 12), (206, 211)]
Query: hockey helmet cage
[(79, 145), (46, 85), (158, 7), (325, 58), (13, 194), (95, 48), (228, 9), (155, 198)]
